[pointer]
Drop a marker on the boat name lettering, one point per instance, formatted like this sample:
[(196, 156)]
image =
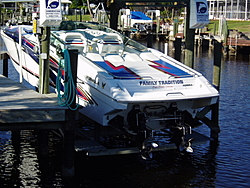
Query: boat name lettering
[(165, 82)]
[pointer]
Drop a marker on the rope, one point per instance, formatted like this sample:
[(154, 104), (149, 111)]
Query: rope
[(66, 98)]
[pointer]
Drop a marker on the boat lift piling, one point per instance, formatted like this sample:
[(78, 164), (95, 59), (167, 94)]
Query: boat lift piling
[(213, 123), (216, 81), (68, 169), (43, 87)]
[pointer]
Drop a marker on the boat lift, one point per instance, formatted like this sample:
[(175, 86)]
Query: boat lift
[(100, 14)]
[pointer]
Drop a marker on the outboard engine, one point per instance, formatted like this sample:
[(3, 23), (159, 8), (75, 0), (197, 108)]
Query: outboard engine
[(137, 124), (170, 118), (179, 129)]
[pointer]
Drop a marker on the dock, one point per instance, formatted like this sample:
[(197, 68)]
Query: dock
[(23, 108)]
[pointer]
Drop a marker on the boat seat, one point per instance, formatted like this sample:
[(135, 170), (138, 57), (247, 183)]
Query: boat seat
[(95, 57), (76, 41), (110, 44), (132, 57), (113, 58), (148, 56)]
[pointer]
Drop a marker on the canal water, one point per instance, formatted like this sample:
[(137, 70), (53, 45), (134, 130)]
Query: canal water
[(224, 165)]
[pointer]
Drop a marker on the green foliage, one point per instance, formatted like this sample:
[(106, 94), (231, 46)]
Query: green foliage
[(242, 26), (74, 18), (78, 3)]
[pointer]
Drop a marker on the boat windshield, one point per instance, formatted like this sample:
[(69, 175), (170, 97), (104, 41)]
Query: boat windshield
[(71, 25)]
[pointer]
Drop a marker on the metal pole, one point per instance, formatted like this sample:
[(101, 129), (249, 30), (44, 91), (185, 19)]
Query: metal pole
[(231, 9), (20, 55), (237, 10), (166, 49), (157, 27), (246, 9), (217, 13), (225, 14)]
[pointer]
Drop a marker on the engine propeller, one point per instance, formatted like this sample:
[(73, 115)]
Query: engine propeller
[(146, 151), (186, 146)]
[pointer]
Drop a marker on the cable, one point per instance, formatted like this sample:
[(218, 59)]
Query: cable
[(66, 97)]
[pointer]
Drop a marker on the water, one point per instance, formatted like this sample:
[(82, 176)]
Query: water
[(224, 165)]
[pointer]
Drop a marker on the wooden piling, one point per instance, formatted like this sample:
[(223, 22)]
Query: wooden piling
[(213, 123), (44, 62), (68, 169), (149, 40), (5, 57), (216, 81), (177, 47), (217, 63), (189, 40)]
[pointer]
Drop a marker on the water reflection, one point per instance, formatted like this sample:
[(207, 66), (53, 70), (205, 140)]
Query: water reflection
[(19, 165), (166, 169)]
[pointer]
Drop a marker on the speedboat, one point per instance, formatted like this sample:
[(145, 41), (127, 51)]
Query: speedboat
[(120, 82)]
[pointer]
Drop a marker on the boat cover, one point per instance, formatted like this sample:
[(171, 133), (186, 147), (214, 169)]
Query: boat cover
[(139, 16)]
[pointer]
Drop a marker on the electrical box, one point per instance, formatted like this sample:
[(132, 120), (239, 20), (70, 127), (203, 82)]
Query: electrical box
[(50, 12), (199, 16)]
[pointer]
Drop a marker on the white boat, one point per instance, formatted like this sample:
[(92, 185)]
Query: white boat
[(120, 82)]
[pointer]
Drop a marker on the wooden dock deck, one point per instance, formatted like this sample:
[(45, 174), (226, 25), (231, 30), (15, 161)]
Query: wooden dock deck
[(21, 105), (238, 42)]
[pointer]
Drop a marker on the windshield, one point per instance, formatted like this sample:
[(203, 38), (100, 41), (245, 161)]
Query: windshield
[(71, 25)]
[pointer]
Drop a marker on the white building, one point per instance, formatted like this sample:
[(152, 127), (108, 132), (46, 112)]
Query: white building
[(229, 9)]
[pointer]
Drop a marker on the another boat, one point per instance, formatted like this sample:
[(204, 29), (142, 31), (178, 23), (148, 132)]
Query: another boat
[(120, 82), (135, 20)]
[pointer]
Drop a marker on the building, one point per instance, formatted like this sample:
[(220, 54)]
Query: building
[(229, 9)]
